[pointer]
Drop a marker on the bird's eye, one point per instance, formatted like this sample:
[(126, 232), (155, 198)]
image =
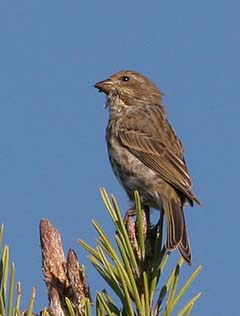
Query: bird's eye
[(125, 78)]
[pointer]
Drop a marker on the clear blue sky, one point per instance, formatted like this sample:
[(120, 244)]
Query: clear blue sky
[(53, 156)]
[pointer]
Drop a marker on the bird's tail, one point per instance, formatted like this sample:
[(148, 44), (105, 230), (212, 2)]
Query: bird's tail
[(177, 235), (184, 246)]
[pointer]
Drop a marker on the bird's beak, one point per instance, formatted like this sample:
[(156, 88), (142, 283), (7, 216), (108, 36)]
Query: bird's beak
[(104, 86)]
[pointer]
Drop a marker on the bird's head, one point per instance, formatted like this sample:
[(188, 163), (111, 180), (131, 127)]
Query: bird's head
[(129, 88)]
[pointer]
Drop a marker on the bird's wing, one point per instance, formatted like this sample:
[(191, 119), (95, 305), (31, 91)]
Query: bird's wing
[(158, 153)]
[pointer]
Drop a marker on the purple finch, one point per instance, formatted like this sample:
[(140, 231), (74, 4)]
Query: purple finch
[(146, 154)]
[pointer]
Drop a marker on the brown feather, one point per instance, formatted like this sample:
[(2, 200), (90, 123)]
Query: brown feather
[(161, 153), (184, 246), (174, 219)]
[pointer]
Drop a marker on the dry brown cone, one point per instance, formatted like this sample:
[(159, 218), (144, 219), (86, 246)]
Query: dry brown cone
[(63, 277)]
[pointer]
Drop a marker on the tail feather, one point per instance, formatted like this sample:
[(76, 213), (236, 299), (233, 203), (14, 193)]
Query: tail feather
[(177, 236), (184, 246), (175, 222)]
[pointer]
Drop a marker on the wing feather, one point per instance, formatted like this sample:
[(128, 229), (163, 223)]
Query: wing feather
[(159, 155)]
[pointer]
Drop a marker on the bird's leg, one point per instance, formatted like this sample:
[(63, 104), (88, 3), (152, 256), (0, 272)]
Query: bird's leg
[(145, 218), (131, 212)]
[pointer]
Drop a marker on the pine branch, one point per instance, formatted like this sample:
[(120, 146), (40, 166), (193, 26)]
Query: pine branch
[(135, 268)]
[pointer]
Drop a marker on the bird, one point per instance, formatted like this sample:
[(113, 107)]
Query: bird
[(145, 153)]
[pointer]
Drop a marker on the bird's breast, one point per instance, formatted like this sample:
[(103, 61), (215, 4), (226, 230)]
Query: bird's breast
[(129, 170)]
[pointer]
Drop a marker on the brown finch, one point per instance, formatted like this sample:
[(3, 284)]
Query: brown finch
[(146, 154)]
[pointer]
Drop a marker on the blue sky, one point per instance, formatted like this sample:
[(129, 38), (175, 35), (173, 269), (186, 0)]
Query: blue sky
[(53, 156)]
